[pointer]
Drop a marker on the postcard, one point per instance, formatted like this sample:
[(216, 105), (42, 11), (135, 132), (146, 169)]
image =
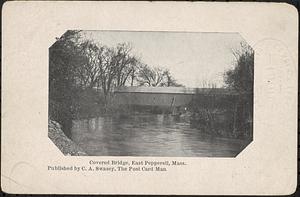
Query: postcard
[(185, 98)]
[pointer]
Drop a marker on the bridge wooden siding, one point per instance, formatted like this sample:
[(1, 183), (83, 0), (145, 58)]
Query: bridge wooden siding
[(162, 96)]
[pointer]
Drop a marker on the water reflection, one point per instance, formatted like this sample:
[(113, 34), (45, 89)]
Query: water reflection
[(149, 135)]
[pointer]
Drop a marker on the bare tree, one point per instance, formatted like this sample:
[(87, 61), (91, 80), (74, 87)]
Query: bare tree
[(156, 76), (123, 63), (89, 74), (135, 67), (207, 84), (107, 69), (241, 77), (169, 80), (150, 76)]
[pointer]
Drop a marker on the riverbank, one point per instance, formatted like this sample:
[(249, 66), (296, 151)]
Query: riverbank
[(63, 143)]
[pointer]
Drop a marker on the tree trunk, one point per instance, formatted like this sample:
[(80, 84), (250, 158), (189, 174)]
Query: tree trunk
[(235, 119)]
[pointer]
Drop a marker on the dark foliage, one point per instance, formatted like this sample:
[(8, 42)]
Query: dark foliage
[(241, 77), (228, 115), (64, 56)]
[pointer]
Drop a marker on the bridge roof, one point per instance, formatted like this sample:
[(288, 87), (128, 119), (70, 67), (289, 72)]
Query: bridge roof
[(174, 90)]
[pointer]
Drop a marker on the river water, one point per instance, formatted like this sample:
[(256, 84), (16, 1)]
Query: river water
[(149, 135)]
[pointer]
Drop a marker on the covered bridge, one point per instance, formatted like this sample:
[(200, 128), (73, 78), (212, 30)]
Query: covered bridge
[(163, 97)]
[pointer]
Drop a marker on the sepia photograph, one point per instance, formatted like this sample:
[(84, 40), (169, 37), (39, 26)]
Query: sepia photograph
[(130, 93)]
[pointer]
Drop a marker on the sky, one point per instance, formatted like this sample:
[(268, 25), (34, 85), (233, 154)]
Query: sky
[(192, 58)]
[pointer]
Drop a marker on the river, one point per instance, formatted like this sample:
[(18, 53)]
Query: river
[(149, 135)]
